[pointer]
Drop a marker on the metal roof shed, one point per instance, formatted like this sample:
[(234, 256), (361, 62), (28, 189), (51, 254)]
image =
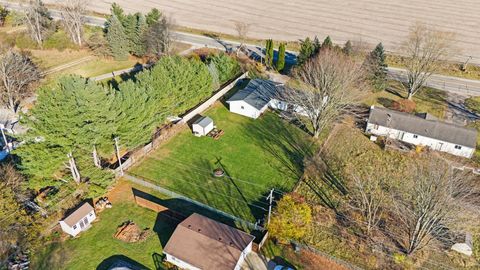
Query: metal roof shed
[(202, 126)]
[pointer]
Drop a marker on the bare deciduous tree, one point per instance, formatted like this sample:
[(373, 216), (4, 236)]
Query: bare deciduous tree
[(38, 21), (423, 49), (331, 83), (73, 15), (17, 74), (367, 196), (159, 37), (434, 202), (242, 31)]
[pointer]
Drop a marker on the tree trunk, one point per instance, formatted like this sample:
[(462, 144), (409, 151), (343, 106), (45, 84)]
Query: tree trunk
[(96, 160), (73, 168)]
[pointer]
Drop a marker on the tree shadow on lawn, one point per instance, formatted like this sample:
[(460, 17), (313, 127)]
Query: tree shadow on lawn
[(287, 147), (120, 262)]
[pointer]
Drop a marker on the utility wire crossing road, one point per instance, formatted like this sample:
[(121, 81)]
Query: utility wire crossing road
[(446, 83)]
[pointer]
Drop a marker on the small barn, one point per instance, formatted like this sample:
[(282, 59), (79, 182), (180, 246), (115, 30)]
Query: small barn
[(202, 126), (79, 220), (199, 242)]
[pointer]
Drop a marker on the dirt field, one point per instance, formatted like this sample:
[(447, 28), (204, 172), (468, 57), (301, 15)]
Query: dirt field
[(369, 20)]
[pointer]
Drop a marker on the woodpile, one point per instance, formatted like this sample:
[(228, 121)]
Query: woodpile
[(129, 232)]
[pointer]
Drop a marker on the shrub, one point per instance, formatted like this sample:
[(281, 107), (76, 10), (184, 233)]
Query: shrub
[(60, 41), (404, 105), (226, 66), (23, 41)]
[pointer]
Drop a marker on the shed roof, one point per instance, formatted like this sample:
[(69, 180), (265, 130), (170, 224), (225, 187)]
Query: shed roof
[(207, 244), (257, 93), (78, 214), (203, 121), (424, 127)]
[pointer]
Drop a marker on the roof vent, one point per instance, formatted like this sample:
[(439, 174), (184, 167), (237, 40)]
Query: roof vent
[(189, 226), (231, 244), (219, 239), (199, 230)]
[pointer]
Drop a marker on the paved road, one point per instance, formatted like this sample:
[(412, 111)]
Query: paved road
[(446, 83)]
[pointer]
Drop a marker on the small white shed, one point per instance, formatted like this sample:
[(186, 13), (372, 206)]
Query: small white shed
[(79, 220), (202, 126), (465, 247)]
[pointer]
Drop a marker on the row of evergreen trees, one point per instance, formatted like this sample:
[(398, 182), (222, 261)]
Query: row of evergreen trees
[(374, 63), (79, 117), (279, 64), (126, 33)]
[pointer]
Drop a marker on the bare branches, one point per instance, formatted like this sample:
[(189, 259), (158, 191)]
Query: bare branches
[(159, 37), (38, 21), (424, 48), (433, 204), (242, 30), (331, 85), (17, 74), (73, 12)]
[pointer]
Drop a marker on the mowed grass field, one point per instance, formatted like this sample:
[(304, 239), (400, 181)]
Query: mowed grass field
[(257, 155), (97, 248)]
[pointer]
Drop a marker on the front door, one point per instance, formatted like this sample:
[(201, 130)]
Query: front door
[(82, 225)]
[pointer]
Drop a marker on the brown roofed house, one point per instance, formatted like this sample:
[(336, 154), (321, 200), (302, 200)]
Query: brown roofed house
[(199, 242), (78, 220)]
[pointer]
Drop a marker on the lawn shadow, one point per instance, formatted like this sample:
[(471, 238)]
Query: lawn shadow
[(385, 102), (120, 262), (288, 147)]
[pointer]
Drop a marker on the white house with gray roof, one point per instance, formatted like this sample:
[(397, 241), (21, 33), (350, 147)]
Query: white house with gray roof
[(254, 99), (424, 131)]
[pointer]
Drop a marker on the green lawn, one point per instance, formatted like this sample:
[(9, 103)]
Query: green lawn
[(97, 248), (427, 99), (100, 66), (258, 154)]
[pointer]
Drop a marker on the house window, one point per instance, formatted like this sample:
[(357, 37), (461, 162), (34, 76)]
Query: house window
[(241, 107), (458, 147), (375, 126), (74, 227), (415, 136), (91, 214)]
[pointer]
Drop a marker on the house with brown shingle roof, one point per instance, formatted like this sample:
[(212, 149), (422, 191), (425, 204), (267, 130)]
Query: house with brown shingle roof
[(199, 242), (79, 220)]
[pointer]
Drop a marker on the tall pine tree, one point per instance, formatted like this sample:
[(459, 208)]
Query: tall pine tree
[(281, 57), (327, 43), (138, 45), (348, 49), (117, 39), (269, 53), (153, 16), (377, 68), (307, 50)]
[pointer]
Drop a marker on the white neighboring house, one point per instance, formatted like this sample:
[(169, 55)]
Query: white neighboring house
[(424, 131), (257, 96), (202, 126), (199, 242), (79, 220)]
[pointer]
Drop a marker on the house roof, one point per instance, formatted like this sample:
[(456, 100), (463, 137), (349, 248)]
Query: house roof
[(426, 127), (78, 214), (257, 93), (207, 244), (203, 121)]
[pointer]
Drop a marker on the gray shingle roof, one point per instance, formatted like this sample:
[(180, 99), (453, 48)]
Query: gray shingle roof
[(257, 93), (424, 127), (203, 121)]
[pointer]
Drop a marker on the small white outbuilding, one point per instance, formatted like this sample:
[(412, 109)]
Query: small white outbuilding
[(79, 220), (202, 126), (464, 247)]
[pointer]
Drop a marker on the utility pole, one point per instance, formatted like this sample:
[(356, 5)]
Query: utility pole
[(270, 199), (118, 156), (4, 137)]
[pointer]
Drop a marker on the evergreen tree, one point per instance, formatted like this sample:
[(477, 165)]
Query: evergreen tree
[(130, 28), (117, 39), (153, 16), (377, 68), (269, 53), (117, 10), (281, 57), (327, 43), (307, 50), (316, 45), (138, 45), (348, 49)]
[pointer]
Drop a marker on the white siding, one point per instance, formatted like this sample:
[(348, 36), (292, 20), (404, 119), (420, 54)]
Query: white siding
[(245, 109), (201, 131), (181, 264), (76, 229), (416, 139), (244, 254)]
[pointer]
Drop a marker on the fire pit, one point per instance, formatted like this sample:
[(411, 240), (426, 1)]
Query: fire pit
[(218, 172)]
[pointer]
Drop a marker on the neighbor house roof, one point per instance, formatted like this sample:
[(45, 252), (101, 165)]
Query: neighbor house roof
[(203, 121), (78, 214), (426, 127), (207, 244), (257, 93)]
